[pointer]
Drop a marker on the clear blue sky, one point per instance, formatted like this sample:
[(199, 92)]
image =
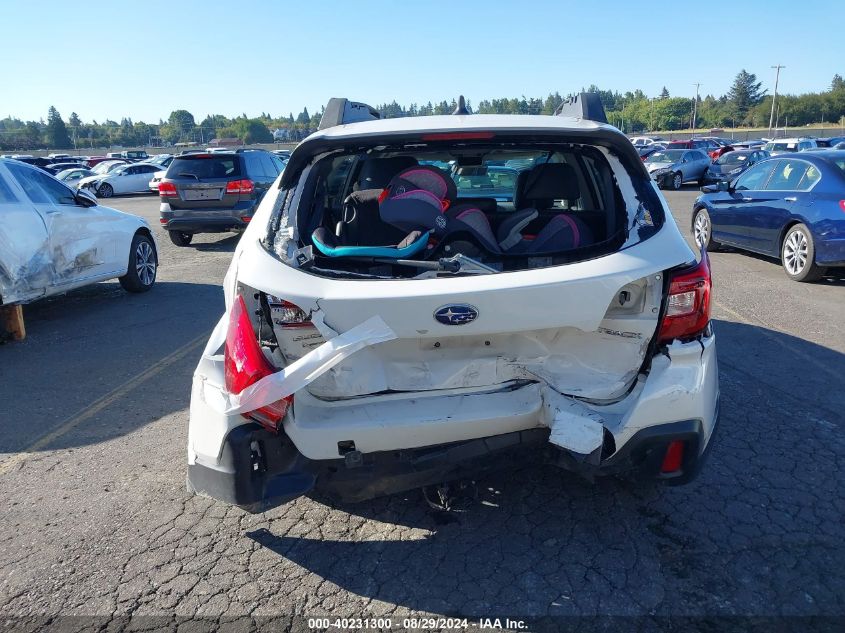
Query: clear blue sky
[(142, 59)]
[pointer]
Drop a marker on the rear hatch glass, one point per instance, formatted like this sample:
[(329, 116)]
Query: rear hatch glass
[(201, 181)]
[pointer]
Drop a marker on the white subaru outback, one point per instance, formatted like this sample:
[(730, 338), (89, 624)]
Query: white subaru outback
[(420, 299)]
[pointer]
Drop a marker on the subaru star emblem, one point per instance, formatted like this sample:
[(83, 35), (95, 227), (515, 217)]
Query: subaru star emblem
[(456, 314)]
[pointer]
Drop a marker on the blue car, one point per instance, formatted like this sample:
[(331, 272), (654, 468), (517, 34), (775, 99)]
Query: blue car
[(790, 207)]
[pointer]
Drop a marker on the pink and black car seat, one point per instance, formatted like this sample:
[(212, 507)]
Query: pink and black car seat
[(536, 190)]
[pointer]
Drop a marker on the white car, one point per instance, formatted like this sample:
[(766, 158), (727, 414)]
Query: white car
[(157, 176), (55, 239), (383, 332), (127, 178), (779, 146), (643, 141)]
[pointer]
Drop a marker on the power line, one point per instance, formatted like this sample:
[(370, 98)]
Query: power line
[(774, 97)]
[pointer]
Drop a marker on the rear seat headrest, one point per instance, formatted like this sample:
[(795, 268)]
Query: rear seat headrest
[(541, 185), (376, 172)]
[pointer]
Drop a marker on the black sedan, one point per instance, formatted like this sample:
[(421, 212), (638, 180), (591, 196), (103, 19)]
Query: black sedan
[(791, 207), (732, 164)]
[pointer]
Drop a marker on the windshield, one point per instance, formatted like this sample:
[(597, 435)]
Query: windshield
[(669, 156), (732, 158)]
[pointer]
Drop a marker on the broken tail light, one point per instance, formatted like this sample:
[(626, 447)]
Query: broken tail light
[(288, 315), (688, 309), (245, 364), (240, 186), (167, 190)]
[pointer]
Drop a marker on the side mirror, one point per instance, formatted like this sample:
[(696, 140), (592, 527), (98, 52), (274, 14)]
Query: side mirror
[(724, 185), (85, 198)]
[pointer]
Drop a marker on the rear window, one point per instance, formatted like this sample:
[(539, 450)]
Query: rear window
[(202, 167), (732, 158), (505, 206)]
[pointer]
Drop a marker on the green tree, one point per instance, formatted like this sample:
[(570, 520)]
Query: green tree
[(180, 124), (254, 131), (664, 94), (304, 118), (57, 136), (837, 83), (745, 93)]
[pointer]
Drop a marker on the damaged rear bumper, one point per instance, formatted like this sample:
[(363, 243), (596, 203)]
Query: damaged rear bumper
[(260, 470), (371, 446)]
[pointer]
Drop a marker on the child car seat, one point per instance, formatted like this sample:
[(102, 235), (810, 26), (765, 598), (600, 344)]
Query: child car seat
[(537, 188), (424, 198)]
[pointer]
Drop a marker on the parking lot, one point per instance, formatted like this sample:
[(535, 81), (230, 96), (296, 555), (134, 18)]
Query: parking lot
[(97, 521)]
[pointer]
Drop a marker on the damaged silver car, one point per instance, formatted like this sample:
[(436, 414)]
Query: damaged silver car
[(54, 239), (387, 329)]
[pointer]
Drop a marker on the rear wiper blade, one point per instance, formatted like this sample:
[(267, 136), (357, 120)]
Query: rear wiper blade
[(191, 175)]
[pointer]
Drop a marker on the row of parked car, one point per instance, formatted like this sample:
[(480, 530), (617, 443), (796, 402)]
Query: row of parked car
[(115, 173), (708, 160), (782, 198)]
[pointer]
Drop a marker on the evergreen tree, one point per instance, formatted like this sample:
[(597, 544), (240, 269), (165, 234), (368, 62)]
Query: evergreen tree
[(745, 93), (838, 83), (664, 94), (57, 136)]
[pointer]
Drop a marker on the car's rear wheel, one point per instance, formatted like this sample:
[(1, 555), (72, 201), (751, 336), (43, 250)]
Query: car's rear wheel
[(105, 191), (677, 180), (179, 238), (798, 254), (143, 265), (702, 231)]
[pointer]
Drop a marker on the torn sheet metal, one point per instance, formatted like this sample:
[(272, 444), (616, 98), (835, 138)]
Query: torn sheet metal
[(574, 426), (303, 371)]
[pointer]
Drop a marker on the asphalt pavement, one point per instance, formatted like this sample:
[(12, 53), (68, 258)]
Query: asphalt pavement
[(96, 520)]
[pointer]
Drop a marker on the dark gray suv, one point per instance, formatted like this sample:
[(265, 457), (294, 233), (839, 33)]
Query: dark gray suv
[(212, 193)]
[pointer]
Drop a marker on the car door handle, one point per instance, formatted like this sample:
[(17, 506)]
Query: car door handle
[(790, 199), (747, 199), (54, 212)]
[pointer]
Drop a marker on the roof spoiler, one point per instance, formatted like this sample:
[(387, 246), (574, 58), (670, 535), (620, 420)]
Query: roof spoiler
[(340, 111), (586, 105)]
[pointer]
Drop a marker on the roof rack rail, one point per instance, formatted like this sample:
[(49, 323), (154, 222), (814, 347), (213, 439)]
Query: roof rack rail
[(586, 105), (340, 111)]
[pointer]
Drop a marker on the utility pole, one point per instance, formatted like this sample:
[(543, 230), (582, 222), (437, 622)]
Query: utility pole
[(774, 97), (695, 106)]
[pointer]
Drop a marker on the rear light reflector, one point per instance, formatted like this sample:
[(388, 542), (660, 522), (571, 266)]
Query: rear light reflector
[(162, 220), (244, 364), (288, 315), (674, 457), (240, 186), (842, 205), (688, 309), (167, 190)]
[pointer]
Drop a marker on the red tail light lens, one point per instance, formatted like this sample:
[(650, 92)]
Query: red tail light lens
[(688, 312), (167, 190), (240, 186), (245, 364)]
